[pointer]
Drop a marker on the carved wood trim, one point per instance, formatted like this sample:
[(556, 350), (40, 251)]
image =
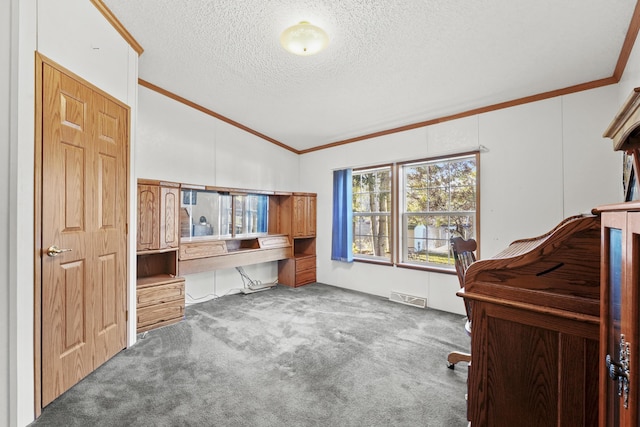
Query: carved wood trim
[(626, 120)]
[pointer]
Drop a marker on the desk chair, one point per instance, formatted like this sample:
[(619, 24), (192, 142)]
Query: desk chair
[(463, 253)]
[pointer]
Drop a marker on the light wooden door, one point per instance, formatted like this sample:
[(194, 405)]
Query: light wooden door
[(84, 208)]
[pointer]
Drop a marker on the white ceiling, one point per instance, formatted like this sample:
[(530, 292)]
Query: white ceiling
[(389, 62)]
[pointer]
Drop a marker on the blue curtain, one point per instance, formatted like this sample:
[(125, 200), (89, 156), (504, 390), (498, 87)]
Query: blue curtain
[(342, 236)]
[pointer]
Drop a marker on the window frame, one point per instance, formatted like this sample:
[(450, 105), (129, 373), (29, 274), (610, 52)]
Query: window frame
[(397, 215), (375, 259), (402, 243)]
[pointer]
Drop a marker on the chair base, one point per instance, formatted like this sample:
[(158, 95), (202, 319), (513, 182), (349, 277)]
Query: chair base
[(456, 357)]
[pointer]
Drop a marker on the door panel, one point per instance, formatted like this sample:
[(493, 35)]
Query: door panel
[(66, 292), (630, 316), (619, 316), (84, 206), (110, 182)]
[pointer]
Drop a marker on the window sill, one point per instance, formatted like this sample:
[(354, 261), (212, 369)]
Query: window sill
[(429, 268), (409, 266), (373, 261)]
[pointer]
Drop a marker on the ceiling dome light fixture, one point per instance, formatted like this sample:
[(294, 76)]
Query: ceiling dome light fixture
[(304, 39)]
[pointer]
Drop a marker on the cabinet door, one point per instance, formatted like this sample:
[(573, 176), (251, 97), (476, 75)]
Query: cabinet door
[(169, 217), (304, 216), (619, 316), (299, 216), (148, 217), (311, 216)]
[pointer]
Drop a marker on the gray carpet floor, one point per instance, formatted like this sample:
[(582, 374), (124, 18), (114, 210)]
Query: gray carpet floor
[(312, 356)]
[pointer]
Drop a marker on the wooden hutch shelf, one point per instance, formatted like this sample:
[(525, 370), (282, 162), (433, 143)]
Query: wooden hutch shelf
[(185, 229), (159, 291)]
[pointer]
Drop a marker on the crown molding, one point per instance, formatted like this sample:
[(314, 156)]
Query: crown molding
[(106, 12), (525, 100), (629, 41)]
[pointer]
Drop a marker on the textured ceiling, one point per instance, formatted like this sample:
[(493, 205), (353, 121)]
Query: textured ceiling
[(389, 62)]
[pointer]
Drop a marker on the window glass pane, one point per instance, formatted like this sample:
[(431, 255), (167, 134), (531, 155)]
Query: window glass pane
[(226, 219), (416, 231), (463, 198), (439, 202), (256, 213), (371, 235), (199, 213), (437, 199), (372, 213), (239, 223)]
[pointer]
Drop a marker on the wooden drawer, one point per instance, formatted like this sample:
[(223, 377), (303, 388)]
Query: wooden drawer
[(160, 294), (159, 315), (274, 241), (202, 249), (306, 263), (296, 272), (305, 277)]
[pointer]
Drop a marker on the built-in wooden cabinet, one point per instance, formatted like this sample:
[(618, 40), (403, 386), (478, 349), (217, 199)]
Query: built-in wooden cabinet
[(186, 229), (158, 217), (159, 291), (620, 328), (298, 217), (300, 269)]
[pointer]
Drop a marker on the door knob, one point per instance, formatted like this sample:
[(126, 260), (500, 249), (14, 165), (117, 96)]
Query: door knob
[(55, 251)]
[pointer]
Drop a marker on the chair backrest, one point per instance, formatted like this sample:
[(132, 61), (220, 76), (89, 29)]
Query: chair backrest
[(463, 254)]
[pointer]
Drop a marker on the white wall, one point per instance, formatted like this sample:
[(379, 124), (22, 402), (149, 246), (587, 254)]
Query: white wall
[(178, 143), (544, 161), (7, 68), (74, 34)]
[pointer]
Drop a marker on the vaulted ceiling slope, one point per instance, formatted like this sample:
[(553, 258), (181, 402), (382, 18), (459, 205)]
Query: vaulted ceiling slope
[(389, 63)]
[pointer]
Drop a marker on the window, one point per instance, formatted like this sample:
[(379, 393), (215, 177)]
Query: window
[(372, 213), (439, 202), (437, 199)]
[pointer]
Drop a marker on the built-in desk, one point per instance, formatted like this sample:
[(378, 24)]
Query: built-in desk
[(199, 254)]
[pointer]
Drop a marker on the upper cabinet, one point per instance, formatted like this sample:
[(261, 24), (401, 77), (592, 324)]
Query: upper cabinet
[(304, 215), (158, 218)]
